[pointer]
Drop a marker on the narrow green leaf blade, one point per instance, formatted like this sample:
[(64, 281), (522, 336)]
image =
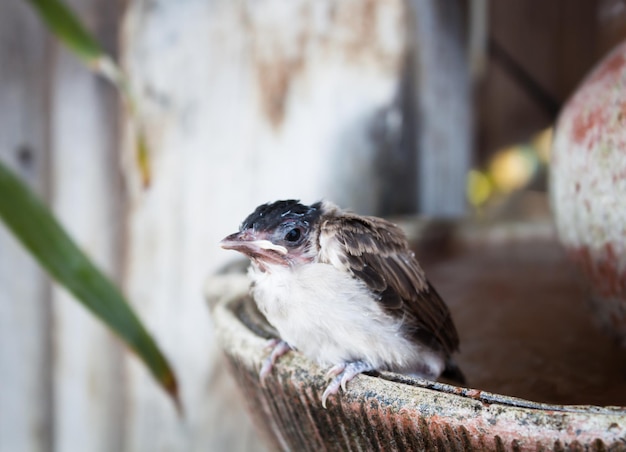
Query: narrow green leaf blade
[(64, 24), (34, 225)]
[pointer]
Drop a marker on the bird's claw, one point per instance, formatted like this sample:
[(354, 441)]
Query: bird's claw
[(279, 348), (343, 373), (271, 344), (335, 370), (332, 388)]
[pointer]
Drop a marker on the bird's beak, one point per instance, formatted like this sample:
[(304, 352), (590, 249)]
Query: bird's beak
[(254, 246)]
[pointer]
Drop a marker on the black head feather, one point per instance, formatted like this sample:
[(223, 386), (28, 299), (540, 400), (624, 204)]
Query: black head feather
[(270, 215)]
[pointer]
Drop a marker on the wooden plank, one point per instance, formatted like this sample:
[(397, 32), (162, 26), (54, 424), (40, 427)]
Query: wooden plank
[(247, 102), (443, 118), (555, 43), (88, 380), (25, 402)]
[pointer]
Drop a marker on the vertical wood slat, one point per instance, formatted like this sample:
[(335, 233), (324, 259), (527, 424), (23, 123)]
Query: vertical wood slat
[(444, 113), (88, 385), (25, 400)]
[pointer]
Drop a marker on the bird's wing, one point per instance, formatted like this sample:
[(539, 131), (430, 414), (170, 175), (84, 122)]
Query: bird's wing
[(376, 251)]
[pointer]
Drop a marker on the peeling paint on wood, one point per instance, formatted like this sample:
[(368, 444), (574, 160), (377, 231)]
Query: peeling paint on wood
[(354, 32)]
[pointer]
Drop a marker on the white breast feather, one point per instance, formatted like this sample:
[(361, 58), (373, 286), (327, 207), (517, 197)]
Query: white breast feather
[(332, 318)]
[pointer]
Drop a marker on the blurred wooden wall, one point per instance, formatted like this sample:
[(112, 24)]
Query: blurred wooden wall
[(538, 54), (244, 102), (62, 375), (364, 102)]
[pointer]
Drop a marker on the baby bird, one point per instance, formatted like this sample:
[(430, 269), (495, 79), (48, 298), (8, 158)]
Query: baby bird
[(346, 291)]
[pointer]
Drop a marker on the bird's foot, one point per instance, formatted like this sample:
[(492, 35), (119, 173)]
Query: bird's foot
[(342, 374), (279, 348)]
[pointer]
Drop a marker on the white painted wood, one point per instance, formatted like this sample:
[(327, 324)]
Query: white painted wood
[(25, 403), (246, 102), (88, 385)]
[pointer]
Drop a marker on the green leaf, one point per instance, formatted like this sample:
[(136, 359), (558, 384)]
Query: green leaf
[(68, 28), (34, 225)]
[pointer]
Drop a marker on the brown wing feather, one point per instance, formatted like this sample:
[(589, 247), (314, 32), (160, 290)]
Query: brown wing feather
[(377, 252)]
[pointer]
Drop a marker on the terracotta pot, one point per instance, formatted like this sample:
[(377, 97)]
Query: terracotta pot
[(588, 187), (545, 379)]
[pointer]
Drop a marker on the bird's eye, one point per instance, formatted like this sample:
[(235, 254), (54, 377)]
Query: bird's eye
[(293, 235)]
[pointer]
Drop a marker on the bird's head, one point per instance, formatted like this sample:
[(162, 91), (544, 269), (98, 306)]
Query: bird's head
[(278, 233)]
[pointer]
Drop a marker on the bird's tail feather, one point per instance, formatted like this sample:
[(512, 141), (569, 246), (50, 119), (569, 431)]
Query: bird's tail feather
[(453, 373)]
